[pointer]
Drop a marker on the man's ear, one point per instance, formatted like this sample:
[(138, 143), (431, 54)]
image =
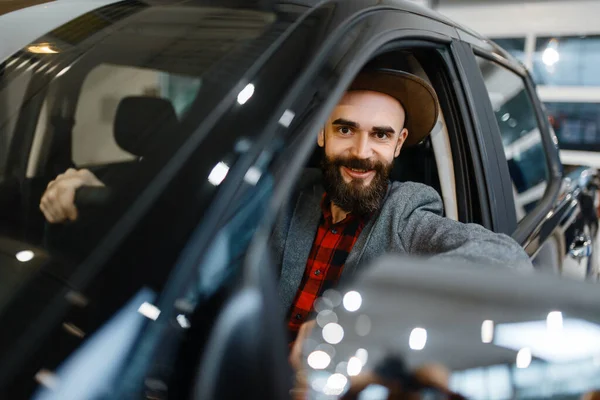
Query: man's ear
[(401, 139), (321, 138)]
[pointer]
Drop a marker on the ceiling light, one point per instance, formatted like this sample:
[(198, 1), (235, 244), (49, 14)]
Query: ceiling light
[(354, 366), (245, 94), (25, 255), (335, 384), (550, 56), (149, 311), (183, 321), (318, 359), (333, 333), (487, 331), (41, 48), (63, 71), (352, 301), (218, 173), (524, 358), (554, 321), (362, 355), (418, 339)]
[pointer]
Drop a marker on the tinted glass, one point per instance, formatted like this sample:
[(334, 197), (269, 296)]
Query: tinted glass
[(577, 125), (83, 96), (520, 132), (106, 91), (567, 61), (514, 46), (94, 140)]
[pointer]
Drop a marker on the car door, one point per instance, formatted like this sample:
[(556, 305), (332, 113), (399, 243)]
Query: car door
[(386, 30), (547, 207), (70, 319), (345, 44)]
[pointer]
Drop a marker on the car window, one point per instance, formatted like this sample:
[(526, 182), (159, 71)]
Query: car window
[(93, 140), (521, 136), (107, 96), (119, 90)]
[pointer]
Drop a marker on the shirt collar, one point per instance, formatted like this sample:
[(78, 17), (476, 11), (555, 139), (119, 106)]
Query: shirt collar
[(326, 209)]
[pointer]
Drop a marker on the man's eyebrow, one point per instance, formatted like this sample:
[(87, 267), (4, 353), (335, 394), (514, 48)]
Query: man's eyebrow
[(384, 129), (346, 122)]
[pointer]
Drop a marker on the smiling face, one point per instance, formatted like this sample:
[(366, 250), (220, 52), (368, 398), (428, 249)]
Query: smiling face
[(362, 137)]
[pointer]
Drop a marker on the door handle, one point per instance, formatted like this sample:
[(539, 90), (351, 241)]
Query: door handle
[(581, 247)]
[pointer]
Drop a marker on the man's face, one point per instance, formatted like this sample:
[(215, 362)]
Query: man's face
[(361, 138)]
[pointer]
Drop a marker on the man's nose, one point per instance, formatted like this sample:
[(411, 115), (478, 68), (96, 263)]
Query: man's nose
[(362, 147)]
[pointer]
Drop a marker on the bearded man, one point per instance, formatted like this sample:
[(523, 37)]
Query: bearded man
[(351, 213)]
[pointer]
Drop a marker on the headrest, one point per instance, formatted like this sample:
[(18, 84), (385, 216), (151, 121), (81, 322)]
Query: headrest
[(141, 121)]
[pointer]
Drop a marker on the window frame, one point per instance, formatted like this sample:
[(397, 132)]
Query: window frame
[(492, 177), (534, 219), (459, 127)]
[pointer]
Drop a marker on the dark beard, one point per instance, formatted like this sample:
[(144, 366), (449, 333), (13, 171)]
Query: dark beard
[(354, 197)]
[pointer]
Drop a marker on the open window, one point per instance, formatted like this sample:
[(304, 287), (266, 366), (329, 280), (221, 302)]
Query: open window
[(438, 160)]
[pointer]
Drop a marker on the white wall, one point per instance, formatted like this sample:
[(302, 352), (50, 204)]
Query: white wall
[(542, 18)]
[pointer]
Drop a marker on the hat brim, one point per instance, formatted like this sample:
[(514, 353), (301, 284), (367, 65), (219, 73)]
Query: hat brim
[(416, 96)]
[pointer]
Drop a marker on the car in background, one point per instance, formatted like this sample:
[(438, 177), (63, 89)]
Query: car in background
[(200, 119)]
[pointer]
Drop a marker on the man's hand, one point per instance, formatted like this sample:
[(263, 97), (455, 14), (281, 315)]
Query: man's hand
[(296, 353), (58, 201), (300, 385)]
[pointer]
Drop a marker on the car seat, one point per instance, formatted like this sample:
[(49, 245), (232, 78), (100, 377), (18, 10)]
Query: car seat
[(141, 124)]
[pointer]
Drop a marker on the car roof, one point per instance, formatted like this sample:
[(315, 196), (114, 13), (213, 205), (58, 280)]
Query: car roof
[(17, 29), (414, 8), (401, 5)]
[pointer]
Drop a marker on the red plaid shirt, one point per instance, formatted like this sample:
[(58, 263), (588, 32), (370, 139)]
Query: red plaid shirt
[(329, 252)]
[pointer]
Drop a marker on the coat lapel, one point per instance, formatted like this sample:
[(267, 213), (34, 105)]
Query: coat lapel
[(353, 260), (302, 231), (361, 245)]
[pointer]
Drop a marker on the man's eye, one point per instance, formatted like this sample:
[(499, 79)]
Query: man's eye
[(344, 130), (381, 135)]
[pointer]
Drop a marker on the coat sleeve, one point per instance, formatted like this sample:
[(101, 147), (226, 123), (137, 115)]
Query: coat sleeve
[(423, 231)]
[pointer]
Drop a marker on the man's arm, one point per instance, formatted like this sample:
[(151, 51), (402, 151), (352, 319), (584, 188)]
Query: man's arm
[(426, 232), (58, 201)]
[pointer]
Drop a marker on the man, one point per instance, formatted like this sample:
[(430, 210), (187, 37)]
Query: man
[(353, 214)]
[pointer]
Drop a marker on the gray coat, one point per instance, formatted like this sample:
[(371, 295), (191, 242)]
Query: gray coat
[(410, 221)]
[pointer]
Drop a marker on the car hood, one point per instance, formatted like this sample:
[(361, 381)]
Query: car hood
[(495, 331)]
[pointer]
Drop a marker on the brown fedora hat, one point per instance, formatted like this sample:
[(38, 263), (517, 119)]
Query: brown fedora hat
[(416, 96)]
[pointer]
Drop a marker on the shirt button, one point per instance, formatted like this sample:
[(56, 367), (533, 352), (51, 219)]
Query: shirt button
[(298, 316), (318, 272), (334, 231)]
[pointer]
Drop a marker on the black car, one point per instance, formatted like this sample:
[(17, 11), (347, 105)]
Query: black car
[(200, 117)]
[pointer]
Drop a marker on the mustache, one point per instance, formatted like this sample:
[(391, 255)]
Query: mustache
[(358, 163)]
